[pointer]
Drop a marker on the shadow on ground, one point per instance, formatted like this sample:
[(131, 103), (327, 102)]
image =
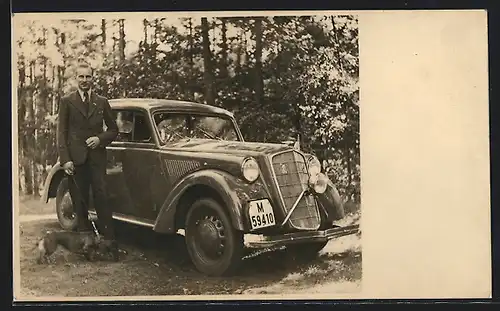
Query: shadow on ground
[(159, 265), (171, 251)]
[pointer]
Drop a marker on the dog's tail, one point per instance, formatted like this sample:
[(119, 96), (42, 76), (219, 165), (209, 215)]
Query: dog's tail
[(40, 250), (40, 241)]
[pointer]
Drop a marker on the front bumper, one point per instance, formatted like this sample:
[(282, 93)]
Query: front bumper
[(303, 237)]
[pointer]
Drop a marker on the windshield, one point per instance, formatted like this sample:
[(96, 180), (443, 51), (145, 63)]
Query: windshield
[(173, 127)]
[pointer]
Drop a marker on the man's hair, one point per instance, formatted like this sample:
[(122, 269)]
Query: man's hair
[(84, 65)]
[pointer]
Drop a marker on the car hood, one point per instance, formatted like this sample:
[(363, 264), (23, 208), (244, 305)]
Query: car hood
[(228, 147)]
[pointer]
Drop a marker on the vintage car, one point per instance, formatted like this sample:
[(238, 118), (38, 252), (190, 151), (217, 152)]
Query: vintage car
[(179, 165)]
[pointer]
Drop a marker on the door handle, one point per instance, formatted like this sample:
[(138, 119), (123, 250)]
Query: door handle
[(116, 148)]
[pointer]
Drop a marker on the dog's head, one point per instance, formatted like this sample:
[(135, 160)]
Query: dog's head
[(90, 242), (108, 249)]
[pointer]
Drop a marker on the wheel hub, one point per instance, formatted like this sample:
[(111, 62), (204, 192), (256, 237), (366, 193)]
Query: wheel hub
[(67, 208), (210, 238)]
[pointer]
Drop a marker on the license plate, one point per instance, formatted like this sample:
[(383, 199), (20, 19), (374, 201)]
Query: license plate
[(261, 214)]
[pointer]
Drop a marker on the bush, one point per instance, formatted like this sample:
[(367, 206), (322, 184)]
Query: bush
[(348, 183)]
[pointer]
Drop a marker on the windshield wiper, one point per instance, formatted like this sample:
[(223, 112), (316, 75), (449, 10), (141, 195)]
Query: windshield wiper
[(211, 136)]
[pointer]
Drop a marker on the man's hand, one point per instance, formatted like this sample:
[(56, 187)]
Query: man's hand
[(69, 168), (93, 142)]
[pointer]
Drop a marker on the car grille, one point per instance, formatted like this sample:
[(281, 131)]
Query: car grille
[(292, 179)]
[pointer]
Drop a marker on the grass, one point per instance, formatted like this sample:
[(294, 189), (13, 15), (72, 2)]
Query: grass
[(29, 205), (159, 265), (351, 207)]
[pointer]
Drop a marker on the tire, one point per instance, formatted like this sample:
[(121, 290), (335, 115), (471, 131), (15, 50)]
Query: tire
[(310, 250), (215, 247), (64, 207)]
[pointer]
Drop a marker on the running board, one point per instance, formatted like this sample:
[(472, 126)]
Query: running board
[(131, 220)]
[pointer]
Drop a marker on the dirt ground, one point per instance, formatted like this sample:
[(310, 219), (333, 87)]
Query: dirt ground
[(159, 265)]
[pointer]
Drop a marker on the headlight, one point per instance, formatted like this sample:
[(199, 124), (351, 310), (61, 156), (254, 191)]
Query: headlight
[(250, 169), (313, 166), (320, 184)]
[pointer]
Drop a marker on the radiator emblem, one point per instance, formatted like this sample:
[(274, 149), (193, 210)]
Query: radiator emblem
[(284, 169)]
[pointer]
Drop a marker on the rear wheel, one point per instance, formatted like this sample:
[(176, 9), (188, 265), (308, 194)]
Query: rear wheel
[(214, 246), (66, 215)]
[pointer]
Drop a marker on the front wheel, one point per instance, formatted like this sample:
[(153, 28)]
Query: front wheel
[(214, 246), (66, 215)]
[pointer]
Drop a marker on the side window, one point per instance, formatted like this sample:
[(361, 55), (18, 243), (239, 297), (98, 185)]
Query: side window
[(132, 127), (171, 127), (125, 122)]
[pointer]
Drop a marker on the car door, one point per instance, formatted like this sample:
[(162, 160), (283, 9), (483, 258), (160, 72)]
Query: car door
[(117, 187), (143, 174)]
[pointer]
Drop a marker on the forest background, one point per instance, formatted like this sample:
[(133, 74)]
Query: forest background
[(284, 77)]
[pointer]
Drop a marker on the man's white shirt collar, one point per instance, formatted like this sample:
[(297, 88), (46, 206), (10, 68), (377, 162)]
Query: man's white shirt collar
[(82, 95)]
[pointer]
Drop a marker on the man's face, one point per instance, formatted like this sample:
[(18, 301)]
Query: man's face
[(84, 78)]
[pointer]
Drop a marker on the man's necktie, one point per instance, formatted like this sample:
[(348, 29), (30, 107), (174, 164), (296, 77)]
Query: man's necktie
[(86, 102)]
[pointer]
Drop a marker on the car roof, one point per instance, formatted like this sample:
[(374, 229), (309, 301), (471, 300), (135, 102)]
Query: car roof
[(152, 104)]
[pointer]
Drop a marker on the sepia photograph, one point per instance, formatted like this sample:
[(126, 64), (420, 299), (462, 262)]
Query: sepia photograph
[(196, 155), (258, 155)]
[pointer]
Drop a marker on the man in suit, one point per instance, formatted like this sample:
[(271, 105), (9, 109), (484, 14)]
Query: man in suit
[(82, 143)]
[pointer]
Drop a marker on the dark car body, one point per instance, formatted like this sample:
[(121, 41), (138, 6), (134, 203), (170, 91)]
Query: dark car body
[(154, 183)]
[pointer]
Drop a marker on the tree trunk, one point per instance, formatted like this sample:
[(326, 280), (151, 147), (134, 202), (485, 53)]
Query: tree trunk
[(207, 61), (145, 30), (154, 42), (29, 144), (53, 111), (191, 79), (42, 108), (103, 34), (121, 42), (37, 149), (60, 83), (21, 97), (258, 63), (114, 50), (190, 43), (62, 69), (346, 135), (238, 53), (245, 48), (224, 48), (53, 95), (34, 178)]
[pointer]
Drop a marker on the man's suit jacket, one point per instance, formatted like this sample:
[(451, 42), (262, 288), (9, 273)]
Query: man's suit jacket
[(75, 125)]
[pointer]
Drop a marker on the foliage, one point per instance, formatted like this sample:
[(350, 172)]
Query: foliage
[(281, 76)]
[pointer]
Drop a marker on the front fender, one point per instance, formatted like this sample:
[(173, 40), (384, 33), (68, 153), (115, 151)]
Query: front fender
[(52, 182), (331, 202), (234, 192)]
